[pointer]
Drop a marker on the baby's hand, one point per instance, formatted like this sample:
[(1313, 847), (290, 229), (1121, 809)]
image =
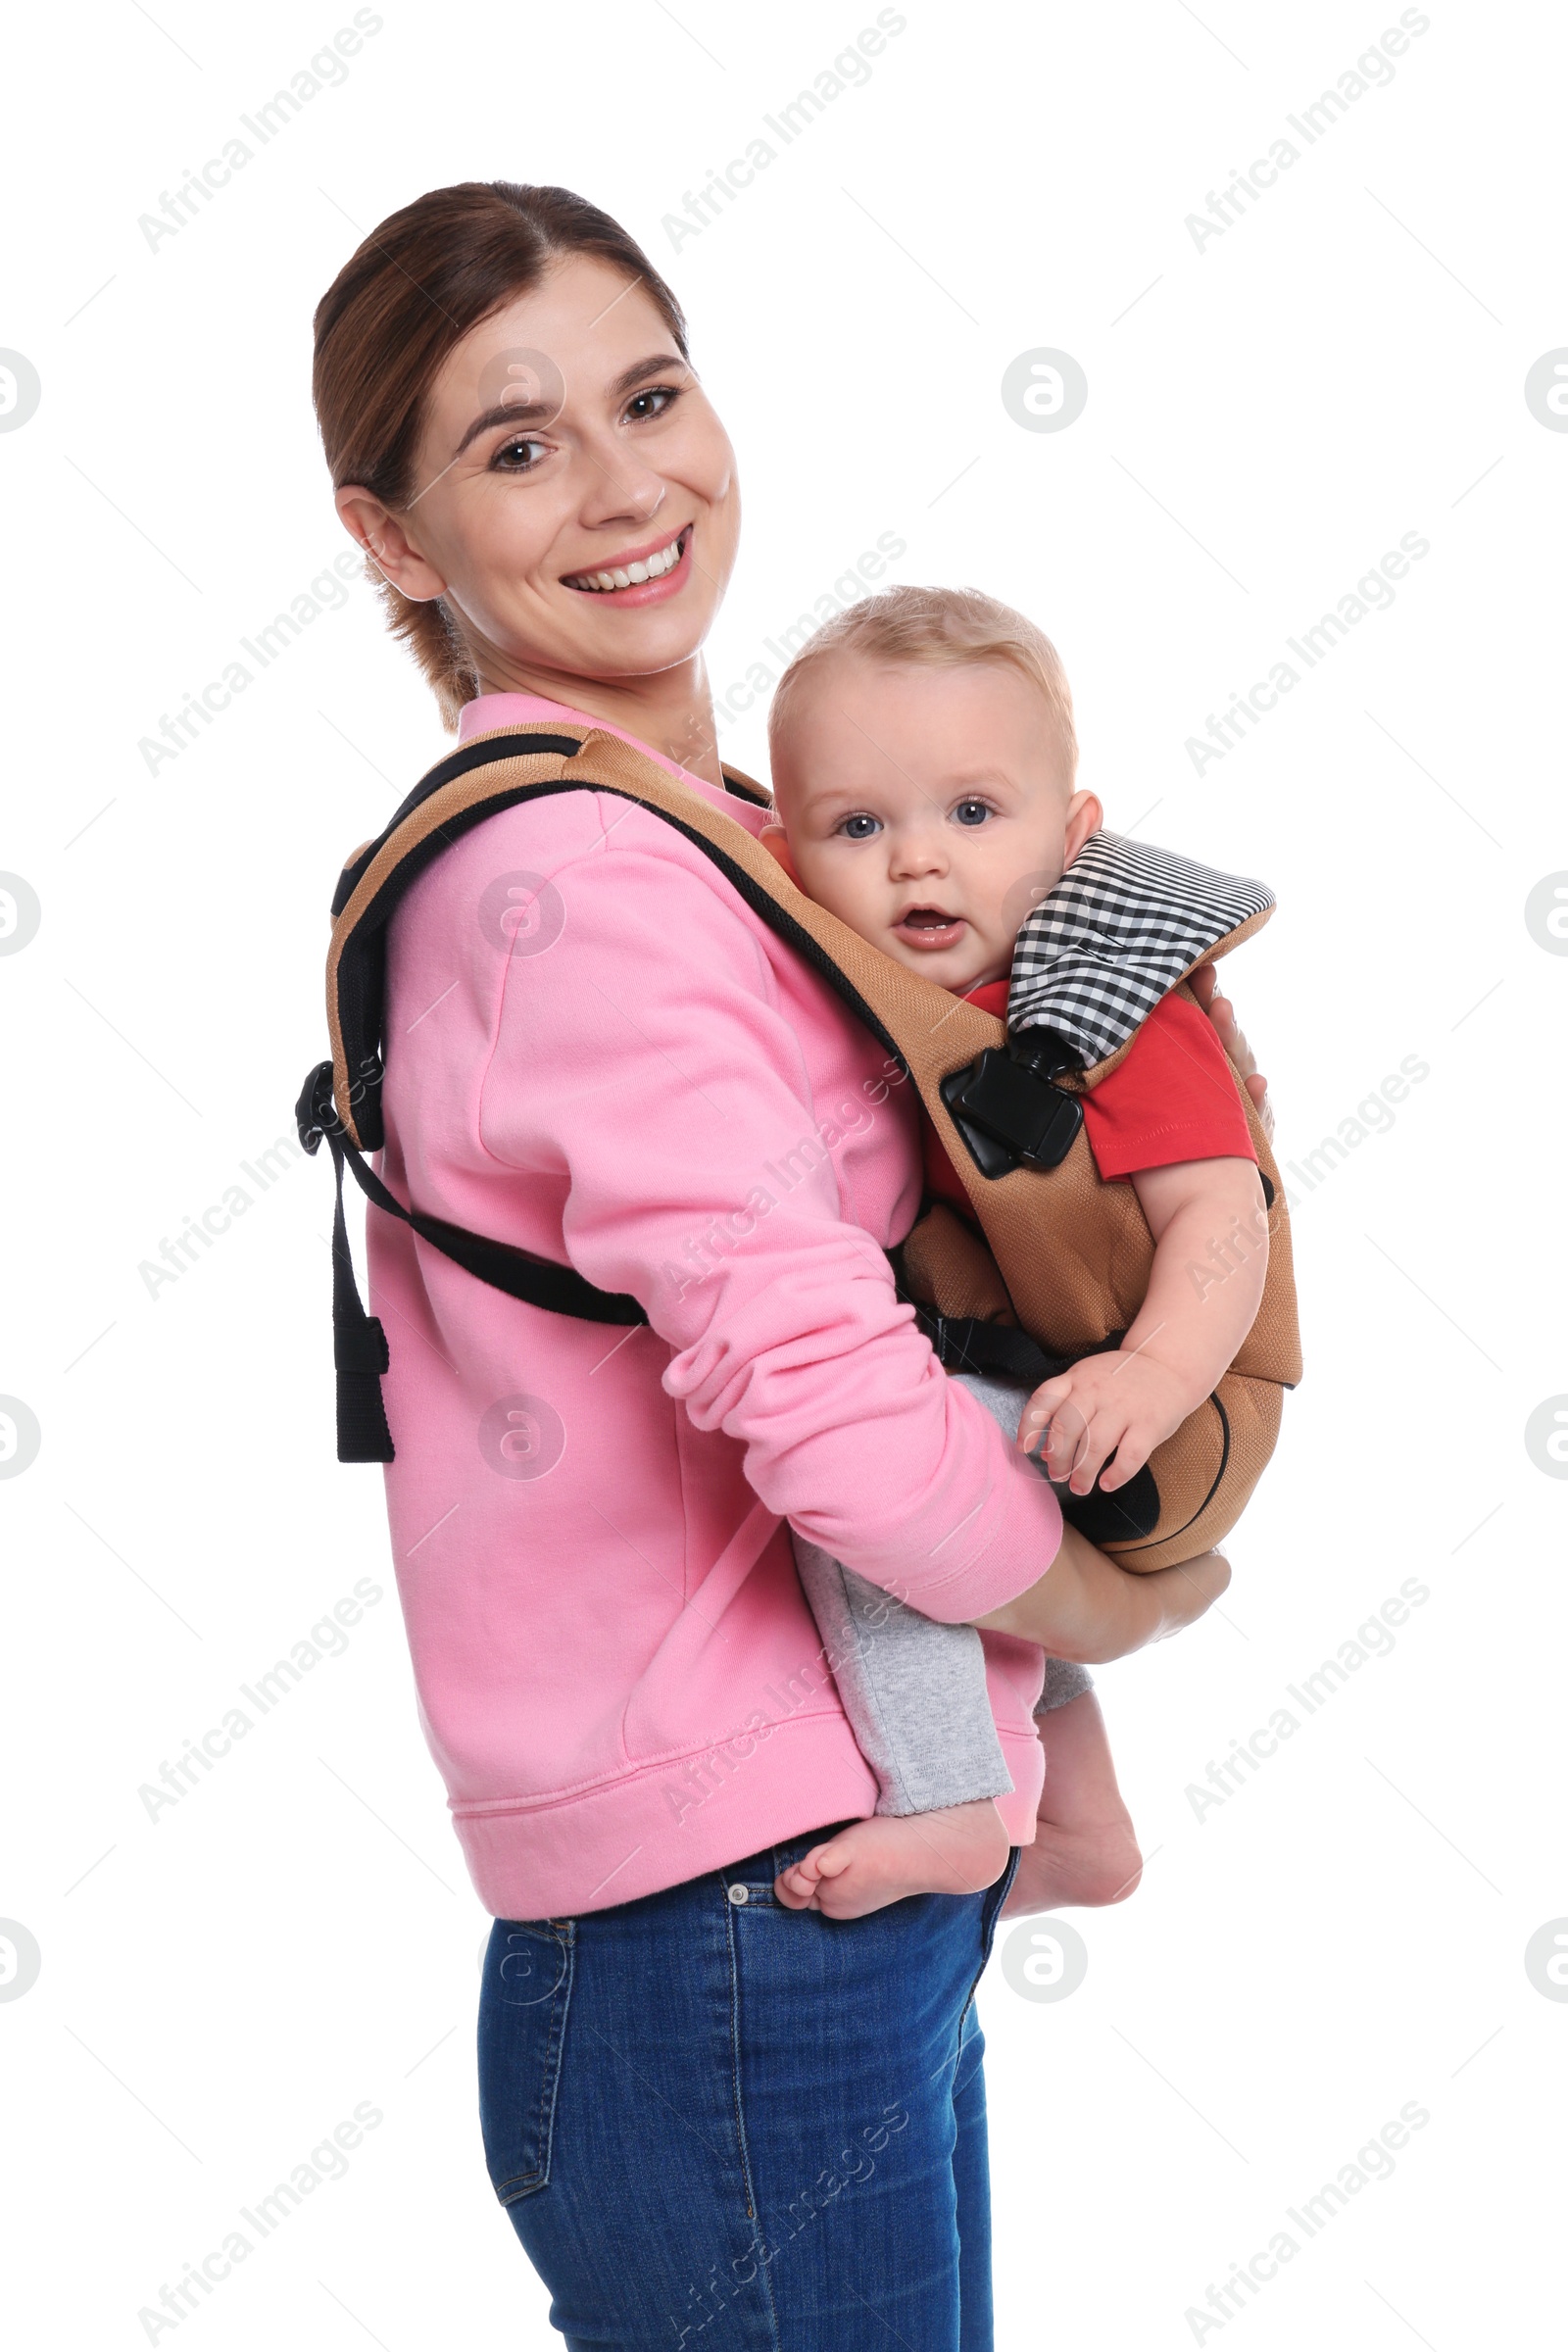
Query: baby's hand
[(1121, 1402)]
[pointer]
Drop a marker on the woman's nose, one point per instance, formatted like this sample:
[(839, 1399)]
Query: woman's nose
[(620, 488)]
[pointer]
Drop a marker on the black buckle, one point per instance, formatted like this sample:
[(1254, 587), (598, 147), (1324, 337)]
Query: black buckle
[(316, 1111), (1009, 1110)]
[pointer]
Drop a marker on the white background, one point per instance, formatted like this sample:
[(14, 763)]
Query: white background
[(1268, 415)]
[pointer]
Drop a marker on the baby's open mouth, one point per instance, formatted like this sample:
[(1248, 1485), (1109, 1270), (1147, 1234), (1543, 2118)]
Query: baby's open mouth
[(931, 928), (634, 574)]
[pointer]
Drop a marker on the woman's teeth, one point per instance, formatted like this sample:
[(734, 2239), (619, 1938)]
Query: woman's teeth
[(630, 575)]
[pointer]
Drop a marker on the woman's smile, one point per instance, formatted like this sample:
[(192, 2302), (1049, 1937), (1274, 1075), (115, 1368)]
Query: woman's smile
[(639, 575)]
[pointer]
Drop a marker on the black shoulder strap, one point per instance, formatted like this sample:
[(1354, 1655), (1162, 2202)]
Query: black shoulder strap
[(359, 1354), (360, 1350)]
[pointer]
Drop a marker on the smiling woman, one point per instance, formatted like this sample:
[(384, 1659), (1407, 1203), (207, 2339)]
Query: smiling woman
[(564, 472), (704, 2111)]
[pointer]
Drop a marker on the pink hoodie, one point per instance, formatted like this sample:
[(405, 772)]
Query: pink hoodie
[(617, 1673)]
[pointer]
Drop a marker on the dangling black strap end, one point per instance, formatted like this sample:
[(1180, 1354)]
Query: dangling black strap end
[(360, 1353)]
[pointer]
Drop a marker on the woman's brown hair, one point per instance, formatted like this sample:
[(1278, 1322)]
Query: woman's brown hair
[(384, 326)]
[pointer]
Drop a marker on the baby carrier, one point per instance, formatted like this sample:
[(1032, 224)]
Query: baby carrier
[(1066, 1258)]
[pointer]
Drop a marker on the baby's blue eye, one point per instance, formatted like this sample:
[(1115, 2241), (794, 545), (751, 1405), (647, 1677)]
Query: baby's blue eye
[(860, 828), (972, 813)]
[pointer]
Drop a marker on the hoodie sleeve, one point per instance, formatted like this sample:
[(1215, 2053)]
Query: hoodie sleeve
[(646, 1065)]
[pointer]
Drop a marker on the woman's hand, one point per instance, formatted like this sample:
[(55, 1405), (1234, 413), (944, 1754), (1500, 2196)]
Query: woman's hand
[(1204, 985), (1087, 1609)]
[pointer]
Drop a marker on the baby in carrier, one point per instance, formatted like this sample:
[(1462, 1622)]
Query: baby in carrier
[(923, 763)]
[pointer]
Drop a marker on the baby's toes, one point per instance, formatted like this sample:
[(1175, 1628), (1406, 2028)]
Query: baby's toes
[(796, 1886)]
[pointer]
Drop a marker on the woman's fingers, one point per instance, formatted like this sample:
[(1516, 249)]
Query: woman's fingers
[(1204, 985), (1257, 1086), (1243, 1060)]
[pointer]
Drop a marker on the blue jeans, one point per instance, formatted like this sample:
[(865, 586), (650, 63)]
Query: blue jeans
[(718, 2122)]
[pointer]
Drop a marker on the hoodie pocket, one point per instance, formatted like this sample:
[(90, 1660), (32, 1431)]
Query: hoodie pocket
[(522, 2029)]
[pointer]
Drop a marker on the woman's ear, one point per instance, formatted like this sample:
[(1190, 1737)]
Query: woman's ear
[(385, 540), (776, 842), (1084, 816)]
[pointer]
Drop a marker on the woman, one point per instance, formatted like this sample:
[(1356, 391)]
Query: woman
[(708, 2115)]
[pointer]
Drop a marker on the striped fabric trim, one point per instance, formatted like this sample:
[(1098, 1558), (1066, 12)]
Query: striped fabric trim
[(1123, 924)]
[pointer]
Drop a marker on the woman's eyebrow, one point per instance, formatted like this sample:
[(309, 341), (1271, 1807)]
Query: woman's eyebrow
[(537, 411), (510, 412), (662, 363)]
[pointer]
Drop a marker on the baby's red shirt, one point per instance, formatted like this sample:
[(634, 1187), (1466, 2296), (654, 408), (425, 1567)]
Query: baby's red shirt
[(1171, 1097)]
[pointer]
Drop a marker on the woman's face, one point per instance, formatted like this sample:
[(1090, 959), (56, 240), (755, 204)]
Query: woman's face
[(575, 499)]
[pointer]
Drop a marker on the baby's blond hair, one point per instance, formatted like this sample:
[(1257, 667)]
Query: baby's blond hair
[(937, 627)]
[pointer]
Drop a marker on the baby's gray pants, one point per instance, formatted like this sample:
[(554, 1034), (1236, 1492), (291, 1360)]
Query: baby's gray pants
[(915, 1690)]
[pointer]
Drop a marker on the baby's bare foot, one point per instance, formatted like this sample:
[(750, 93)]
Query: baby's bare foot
[(957, 1851), (1088, 1865), (1085, 1848)]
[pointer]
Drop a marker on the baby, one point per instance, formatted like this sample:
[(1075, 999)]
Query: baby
[(923, 763)]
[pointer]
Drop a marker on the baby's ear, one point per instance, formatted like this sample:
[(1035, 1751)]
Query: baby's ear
[(1084, 816), (776, 842)]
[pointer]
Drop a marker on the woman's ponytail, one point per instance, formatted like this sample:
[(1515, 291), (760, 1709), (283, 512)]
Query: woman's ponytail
[(435, 641)]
